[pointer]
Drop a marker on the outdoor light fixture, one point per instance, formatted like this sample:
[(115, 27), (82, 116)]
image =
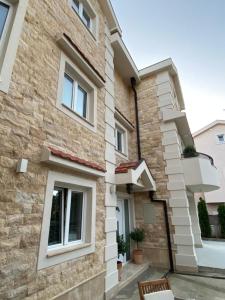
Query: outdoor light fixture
[(22, 165)]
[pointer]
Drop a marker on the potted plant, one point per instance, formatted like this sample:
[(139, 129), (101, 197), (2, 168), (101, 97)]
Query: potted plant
[(138, 236), (122, 249), (190, 151)]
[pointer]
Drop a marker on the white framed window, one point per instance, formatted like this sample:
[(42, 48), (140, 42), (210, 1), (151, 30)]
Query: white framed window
[(67, 218), (121, 139), (220, 138), (12, 14), (86, 13), (68, 226), (77, 95)]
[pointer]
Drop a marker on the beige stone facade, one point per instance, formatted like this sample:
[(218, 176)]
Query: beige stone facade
[(72, 152)]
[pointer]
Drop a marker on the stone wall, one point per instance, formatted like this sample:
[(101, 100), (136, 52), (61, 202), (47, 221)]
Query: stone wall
[(29, 119), (155, 244)]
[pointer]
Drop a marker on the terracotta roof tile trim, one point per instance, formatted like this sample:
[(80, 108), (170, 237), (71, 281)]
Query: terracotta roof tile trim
[(124, 167), (75, 159)]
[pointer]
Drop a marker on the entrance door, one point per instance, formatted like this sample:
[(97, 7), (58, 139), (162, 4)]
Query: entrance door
[(123, 225)]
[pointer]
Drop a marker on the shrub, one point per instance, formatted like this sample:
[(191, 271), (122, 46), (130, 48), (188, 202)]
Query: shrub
[(190, 151), (122, 245), (137, 235), (204, 219), (221, 215)]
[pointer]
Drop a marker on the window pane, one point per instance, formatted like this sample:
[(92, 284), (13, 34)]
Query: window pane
[(86, 19), (55, 232), (75, 226), (75, 5), (4, 9), (81, 105), (221, 138), (68, 91), (119, 141)]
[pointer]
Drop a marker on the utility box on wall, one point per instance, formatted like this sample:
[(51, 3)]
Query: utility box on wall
[(149, 213)]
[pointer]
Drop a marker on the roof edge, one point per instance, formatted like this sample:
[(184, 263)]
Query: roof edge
[(205, 128)]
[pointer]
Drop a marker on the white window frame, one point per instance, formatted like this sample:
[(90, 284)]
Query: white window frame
[(123, 130), (76, 85), (48, 255), (218, 141), (84, 5), (65, 229), (91, 110), (10, 40)]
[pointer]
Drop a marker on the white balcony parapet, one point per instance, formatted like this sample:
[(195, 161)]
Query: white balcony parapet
[(200, 174)]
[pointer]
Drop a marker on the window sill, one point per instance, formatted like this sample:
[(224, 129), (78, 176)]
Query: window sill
[(65, 249), (75, 116), (123, 155)]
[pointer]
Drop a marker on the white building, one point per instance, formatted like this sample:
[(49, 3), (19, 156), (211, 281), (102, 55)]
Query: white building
[(211, 140)]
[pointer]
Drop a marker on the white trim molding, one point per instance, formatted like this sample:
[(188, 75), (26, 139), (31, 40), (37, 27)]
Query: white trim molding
[(11, 41), (49, 257), (49, 158)]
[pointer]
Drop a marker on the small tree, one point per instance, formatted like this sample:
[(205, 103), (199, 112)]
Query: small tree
[(137, 235), (122, 245), (204, 219), (221, 215)]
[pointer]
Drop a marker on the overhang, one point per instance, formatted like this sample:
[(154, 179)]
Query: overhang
[(64, 159), (110, 16), (122, 60), (137, 174), (180, 118), (165, 65)]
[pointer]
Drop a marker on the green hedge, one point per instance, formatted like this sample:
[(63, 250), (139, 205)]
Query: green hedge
[(221, 214), (204, 219)]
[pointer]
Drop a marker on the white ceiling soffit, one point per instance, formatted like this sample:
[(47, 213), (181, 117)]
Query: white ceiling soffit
[(122, 60), (165, 65)]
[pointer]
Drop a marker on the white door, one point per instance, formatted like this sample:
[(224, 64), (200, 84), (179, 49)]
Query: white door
[(123, 224)]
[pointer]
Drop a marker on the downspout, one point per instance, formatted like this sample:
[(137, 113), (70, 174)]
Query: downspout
[(133, 84), (151, 193)]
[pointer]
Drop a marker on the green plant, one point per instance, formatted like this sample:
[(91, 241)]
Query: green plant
[(122, 245), (204, 219), (221, 215), (190, 151), (137, 235)]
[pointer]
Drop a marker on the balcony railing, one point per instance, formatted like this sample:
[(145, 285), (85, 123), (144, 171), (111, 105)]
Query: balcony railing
[(200, 154)]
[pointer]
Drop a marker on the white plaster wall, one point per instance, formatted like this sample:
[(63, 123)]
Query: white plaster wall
[(207, 143)]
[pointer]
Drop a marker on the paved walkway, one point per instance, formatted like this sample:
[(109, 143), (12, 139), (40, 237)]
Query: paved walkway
[(183, 286), (212, 255)]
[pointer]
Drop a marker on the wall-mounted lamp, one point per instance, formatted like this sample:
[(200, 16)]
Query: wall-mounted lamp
[(22, 165)]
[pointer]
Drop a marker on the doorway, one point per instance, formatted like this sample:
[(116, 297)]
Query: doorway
[(123, 225)]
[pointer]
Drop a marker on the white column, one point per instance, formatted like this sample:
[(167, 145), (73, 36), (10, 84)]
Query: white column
[(195, 221), (183, 238), (111, 278)]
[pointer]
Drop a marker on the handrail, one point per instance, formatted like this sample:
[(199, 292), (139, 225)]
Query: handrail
[(203, 155)]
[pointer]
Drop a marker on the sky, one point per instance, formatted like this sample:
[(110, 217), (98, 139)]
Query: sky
[(192, 33)]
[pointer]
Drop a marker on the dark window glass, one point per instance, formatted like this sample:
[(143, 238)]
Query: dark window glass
[(4, 10), (55, 232), (81, 105), (119, 141), (68, 91), (75, 5), (76, 209), (86, 19)]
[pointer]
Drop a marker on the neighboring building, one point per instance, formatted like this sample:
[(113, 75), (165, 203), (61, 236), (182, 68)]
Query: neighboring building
[(211, 140), (73, 172)]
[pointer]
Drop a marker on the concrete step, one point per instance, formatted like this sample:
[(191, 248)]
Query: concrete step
[(212, 272)]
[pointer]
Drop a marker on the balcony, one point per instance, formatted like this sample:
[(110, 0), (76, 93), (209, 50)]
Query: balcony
[(200, 173)]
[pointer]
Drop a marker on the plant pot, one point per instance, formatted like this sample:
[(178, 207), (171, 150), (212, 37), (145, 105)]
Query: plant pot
[(119, 268), (138, 256)]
